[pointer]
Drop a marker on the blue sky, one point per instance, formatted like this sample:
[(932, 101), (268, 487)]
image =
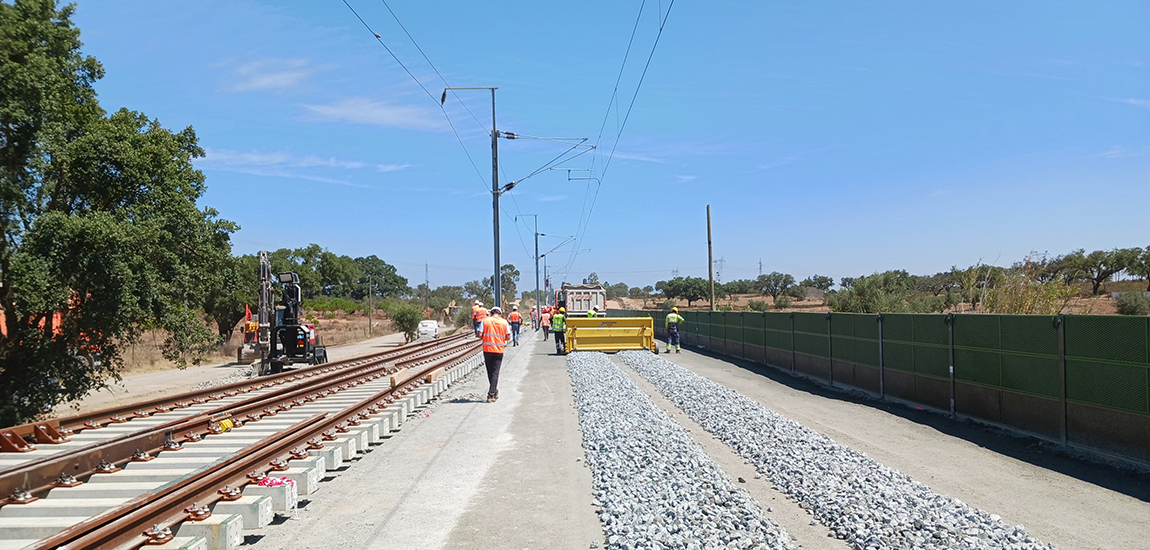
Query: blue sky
[(838, 138)]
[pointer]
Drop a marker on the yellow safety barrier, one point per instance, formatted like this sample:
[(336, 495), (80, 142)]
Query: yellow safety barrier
[(610, 333)]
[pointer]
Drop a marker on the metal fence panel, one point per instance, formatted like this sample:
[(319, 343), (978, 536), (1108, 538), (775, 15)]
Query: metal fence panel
[(1107, 362)]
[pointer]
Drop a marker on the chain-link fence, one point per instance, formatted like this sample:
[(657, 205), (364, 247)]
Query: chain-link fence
[(1080, 380)]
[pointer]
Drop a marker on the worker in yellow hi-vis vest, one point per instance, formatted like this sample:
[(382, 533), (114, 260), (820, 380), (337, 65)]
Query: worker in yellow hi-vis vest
[(672, 323)]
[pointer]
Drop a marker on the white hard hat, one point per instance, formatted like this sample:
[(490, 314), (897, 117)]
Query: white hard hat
[(496, 310), (514, 307)]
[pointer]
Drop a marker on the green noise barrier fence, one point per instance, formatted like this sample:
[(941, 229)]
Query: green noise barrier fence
[(1080, 380)]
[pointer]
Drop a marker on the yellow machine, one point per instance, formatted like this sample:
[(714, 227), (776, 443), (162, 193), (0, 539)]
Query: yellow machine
[(610, 333)]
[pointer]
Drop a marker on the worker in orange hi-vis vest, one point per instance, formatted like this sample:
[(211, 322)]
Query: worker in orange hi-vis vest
[(516, 321), (496, 333), (479, 314)]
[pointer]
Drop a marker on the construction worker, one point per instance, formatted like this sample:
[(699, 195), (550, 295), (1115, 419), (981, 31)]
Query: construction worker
[(559, 327), (475, 315), (672, 323), (496, 333), (546, 323), (480, 315), (516, 319), (594, 311), (535, 318)]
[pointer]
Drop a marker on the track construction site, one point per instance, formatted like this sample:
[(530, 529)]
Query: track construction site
[(626, 450)]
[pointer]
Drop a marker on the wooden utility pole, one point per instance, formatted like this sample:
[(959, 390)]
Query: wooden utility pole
[(710, 262)]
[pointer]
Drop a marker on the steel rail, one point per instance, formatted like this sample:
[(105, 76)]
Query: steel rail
[(126, 524), (39, 476), (56, 430)]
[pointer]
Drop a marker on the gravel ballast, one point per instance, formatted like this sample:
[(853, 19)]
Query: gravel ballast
[(861, 501), (656, 486)]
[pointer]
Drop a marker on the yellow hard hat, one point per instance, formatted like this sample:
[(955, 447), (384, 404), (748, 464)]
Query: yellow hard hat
[(675, 309), (562, 310)]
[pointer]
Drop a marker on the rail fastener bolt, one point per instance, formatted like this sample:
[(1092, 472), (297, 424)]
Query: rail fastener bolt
[(65, 480), (20, 496), (142, 456), (157, 536), (106, 467), (196, 513), (230, 493)]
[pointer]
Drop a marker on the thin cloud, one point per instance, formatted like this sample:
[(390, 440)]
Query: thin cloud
[(271, 74), (685, 179), (283, 164), (1119, 151), (1143, 103), (361, 110), (552, 198)]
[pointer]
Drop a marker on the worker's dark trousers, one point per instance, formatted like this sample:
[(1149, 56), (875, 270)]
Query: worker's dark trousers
[(515, 333), (493, 361), (672, 337)]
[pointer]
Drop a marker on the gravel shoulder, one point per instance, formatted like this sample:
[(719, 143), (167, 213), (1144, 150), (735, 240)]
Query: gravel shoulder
[(1060, 500), (776, 504)]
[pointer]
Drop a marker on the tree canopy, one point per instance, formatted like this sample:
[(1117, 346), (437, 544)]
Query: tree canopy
[(102, 234)]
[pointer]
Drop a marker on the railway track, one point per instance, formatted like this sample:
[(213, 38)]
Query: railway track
[(194, 470)]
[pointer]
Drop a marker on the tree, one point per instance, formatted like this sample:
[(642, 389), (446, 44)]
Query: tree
[(509, 278), (687, 288), (820, 282), (338, 275), (477, 290), (774, 283), (385, 282), (235, 285), (1141, 267), (617, 290), (101, 232), (592, 279), (1100, 265), (846, 282)]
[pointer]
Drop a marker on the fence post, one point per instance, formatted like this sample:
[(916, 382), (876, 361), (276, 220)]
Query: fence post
[(1060, 324), (830, 354), (792, 314), (950, 346), (743, 333), (881, 362)]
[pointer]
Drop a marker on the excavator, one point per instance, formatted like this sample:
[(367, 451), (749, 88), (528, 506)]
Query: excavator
[(279, 340)]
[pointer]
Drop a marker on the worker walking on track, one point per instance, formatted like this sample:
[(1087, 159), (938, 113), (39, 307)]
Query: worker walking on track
[(559, 327), (496, 333), (478, 315), (516, 320), (535, 318), (672, 323), (546, 322)]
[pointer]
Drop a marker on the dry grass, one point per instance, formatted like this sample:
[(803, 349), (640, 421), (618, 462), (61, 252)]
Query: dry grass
[(331, 330), (1083, 304)]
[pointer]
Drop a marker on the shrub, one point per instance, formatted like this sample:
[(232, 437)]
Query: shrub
[(797, 292), (758, 305), (725, 307), (1132, 303), (463, 318), (668, 305), (783, 302), (406, 319)]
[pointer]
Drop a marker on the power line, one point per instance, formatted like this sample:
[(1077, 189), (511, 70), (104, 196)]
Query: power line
[(626, 117), (379, 39)]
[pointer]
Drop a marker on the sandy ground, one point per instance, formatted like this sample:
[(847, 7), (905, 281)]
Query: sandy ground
[(144, 386), (470, 474), (1061, 500)]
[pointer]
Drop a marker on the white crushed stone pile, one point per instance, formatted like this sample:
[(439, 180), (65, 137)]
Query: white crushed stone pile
[(861, 501), (656, 486), (239, 374)]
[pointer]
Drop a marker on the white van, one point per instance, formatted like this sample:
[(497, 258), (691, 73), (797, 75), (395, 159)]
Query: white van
[(428, 329)]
